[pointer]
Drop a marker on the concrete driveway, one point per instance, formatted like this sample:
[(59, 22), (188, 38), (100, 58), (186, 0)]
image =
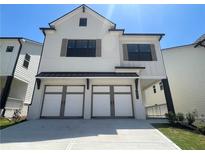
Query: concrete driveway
[(84, 135)]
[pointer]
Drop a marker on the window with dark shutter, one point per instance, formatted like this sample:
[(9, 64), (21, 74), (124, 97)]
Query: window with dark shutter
[(83, 22), (9, 48), (138, 52), (26, 60), (83, 48)]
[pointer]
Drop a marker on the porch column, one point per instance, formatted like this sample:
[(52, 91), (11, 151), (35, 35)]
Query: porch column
[(168, 96), (139, 106), (87, 101)]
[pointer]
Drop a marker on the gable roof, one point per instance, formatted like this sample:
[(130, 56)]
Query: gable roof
[(199, 42), (21, 38), (114, 29), (83, 6)]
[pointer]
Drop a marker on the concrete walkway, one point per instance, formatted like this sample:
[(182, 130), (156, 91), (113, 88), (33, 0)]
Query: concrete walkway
[(84, 135)]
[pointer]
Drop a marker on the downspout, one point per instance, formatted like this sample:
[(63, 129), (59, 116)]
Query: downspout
[(5, 92)]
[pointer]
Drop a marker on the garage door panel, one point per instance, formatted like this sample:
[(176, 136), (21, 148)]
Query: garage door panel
[(102, 89), (51, 105), (54, 88), (123, 89), (75, 89), (74, 105), (123, 105), (101, 105)]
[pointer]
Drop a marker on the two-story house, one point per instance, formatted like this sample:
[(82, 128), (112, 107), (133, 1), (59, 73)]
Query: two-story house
[(90, 69), (19, 61)]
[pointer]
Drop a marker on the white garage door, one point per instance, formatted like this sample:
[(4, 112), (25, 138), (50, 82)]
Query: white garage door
[(112, 101), (123, 101), (101, 101), (63, 101), (74, 101), (52, 101)]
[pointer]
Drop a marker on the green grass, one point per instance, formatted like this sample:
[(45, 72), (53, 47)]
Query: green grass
[(184, 138), (6, 123)]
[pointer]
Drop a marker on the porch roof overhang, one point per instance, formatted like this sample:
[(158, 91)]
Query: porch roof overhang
[(86, 75)]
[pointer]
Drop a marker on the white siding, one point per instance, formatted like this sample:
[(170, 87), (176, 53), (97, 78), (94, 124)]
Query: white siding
[(8, 59), (28, 74), (186, 74)]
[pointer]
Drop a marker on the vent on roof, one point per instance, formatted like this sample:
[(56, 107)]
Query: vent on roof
[(83, 9)]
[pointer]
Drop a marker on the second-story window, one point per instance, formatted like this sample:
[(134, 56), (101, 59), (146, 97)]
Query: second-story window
[(9, 48), (139, 52), (81, 48), (26, 60)]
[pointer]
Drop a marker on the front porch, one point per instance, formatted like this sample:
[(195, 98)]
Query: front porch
[(13, 95), (156, 97)]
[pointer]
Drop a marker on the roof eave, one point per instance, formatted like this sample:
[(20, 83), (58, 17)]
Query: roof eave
[(145, 34), (43, 29), (21, 38)]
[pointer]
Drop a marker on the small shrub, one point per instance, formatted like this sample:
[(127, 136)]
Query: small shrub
[(171, 117), (202, 129), (195, 113), (180, 117), (190, 118)]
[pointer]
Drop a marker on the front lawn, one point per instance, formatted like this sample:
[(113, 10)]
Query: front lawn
[(184, 138), (6, 123)]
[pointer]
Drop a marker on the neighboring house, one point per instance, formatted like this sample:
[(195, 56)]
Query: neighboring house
[(19, 61), (90, 69), (185, 67)]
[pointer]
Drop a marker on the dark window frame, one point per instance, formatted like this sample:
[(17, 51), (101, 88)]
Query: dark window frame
[(26, 61), (75, 49), (9, 48), (83, 22), (136, 52)]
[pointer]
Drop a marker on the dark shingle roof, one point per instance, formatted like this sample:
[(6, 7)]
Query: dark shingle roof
[(86, 74)]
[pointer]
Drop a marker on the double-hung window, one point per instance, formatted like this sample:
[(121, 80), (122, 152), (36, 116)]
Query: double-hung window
[(26, 60)]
